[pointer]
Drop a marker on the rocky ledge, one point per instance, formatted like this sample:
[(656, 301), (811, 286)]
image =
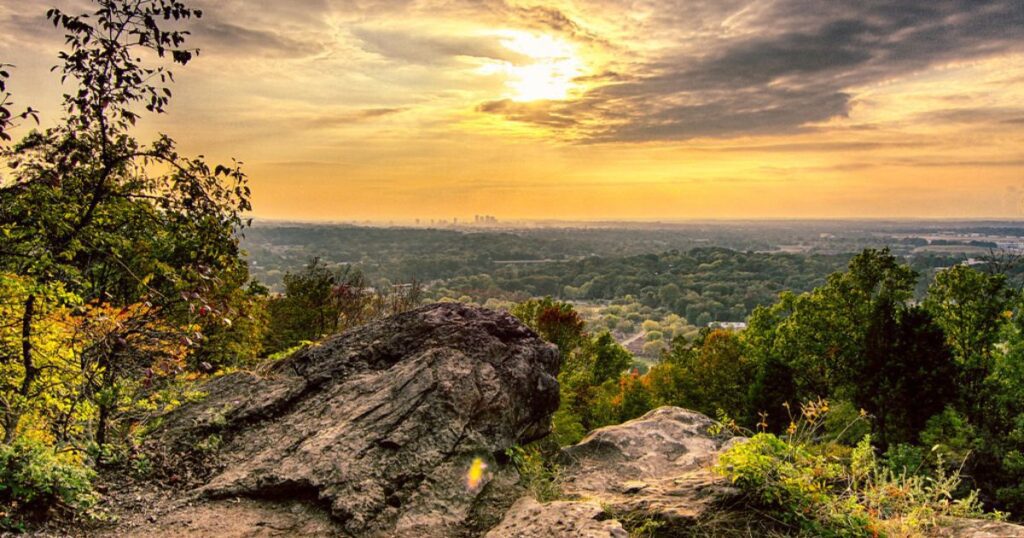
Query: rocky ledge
[(378, 425), (656, 467)]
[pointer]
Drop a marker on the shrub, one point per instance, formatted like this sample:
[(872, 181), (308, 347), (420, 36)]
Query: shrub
[(537, 474), (34, 481), (801, 482)]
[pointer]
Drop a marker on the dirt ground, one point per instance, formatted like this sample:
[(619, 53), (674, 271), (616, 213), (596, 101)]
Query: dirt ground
[(140, 510)]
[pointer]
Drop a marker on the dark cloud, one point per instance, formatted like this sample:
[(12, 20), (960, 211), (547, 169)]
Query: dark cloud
[(819, 147), (533, 112), (796, 64), (746, 112), (350, 118), (225, 38), (977, 115)]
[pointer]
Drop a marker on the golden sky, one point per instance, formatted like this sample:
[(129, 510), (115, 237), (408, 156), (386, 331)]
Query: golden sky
[(599, 109)]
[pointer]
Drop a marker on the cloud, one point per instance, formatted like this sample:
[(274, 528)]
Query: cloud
[(225, 38), (783, 68), (433, 49), (976, 115), (350, 118), (536, 113)]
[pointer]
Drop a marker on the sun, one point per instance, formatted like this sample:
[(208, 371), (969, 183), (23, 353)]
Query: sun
[(551, 72)]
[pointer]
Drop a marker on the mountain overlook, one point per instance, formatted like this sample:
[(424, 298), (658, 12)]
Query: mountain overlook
[(379, 431)]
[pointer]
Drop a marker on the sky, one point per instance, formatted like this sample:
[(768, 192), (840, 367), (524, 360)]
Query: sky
[(601, 110)]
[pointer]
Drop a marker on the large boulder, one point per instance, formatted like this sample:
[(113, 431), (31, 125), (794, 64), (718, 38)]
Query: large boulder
[(379, 425), (653, 469), (658, 464)]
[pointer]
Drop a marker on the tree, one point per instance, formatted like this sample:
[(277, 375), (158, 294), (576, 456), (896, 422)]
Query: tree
[(972, 308), (609, 359), (821, 335), (906, 374), (320, 301), (554, 321), (307, 310), (712, 373), (8, 118), (126, 227)]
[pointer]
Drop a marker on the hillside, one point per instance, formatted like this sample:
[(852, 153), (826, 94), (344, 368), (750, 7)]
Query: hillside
[(410, 427)]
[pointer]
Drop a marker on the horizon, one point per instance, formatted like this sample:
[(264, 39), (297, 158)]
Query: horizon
[(554, 222), (588, 110)]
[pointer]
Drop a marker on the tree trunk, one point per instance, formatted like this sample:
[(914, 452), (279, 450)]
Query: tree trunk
[(12, 416)]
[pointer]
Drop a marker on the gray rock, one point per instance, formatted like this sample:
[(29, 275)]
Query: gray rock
[(379, 425), (559, 519), (655, 467), (658, 465), (978, 528)]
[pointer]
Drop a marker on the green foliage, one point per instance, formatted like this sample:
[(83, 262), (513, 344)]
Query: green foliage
[(320, 301), (143, 238), (34, 481), (538, 474), (566, 426), (905, 459), (952, 434), (859, 341), (593, 388), (609, 359), (707, 375), (818, 494), (845, 423), (904, 351), (856, 338), (972, 308), (234, 339), (554, 321)]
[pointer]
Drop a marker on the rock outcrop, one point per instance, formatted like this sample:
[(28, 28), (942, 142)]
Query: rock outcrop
[(654, 467), (379, 425), (979, 528), (658, 464), (531, 519)]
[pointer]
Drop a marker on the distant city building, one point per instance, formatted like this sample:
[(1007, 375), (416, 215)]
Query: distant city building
[(484, 219)]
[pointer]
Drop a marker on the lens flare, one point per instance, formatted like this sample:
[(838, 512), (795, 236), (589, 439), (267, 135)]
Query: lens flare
[(476, 474)]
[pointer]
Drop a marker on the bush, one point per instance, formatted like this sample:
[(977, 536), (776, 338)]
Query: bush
[(538, 474), (34, 481), (801, 483)]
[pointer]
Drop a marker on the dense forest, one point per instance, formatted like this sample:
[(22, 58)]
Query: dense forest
[(876, 384), (402, 254)]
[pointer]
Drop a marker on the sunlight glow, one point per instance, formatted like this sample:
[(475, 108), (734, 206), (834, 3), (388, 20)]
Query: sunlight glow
[(551, 74)]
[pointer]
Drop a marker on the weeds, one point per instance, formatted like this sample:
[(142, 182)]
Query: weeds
[(799, 480), (538, 475)]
